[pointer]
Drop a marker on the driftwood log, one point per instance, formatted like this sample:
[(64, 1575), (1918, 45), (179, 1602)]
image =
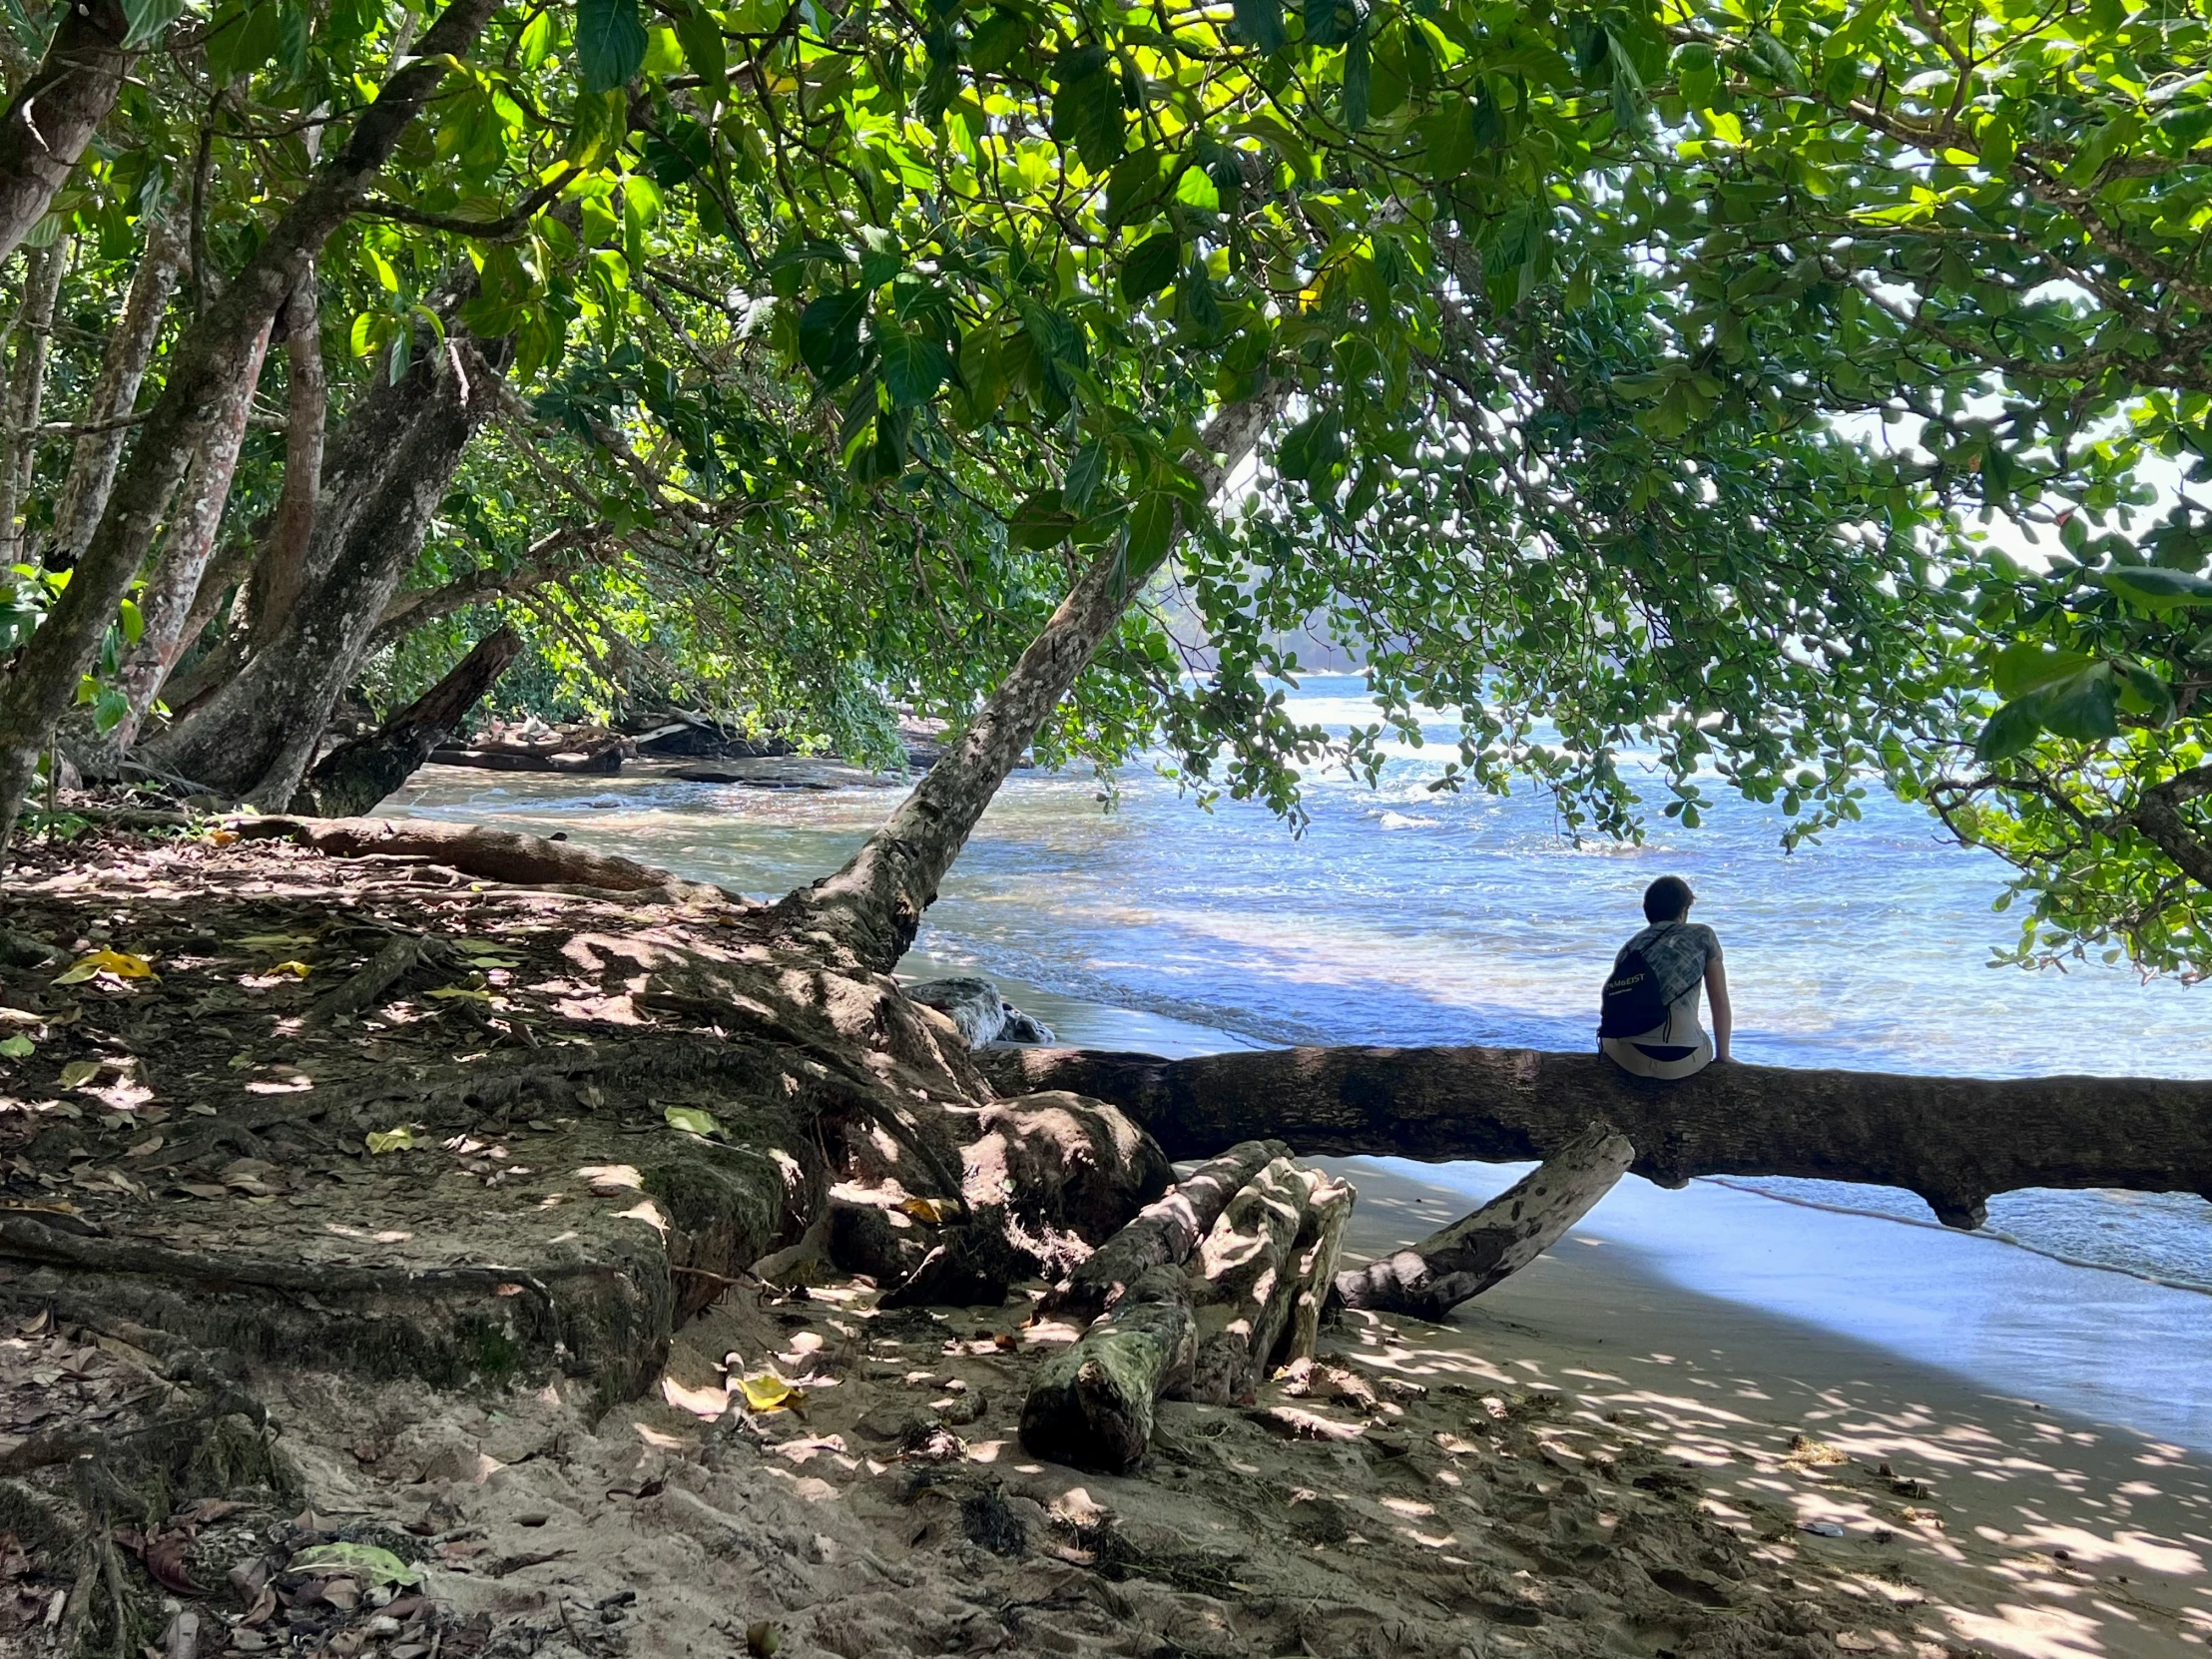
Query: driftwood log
[(1952, 1140), (1163, 1233), (1431, 1278), (492, 854), (1092, 1406), (1247, 1274)]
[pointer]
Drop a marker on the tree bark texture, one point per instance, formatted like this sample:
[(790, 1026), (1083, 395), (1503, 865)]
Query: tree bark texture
[(51, 120), (1431, 1278), (281, 571), (1952, 1140), (256, 736), (1163, 1233), (355, 776), (26, 391), (489, 855), (84, 494), (873, 905), (203, 372), (1247, 1274), (167, 602), (1093, 1405)]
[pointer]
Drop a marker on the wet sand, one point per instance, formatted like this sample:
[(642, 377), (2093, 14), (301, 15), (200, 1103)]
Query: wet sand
[(2062, 1531)]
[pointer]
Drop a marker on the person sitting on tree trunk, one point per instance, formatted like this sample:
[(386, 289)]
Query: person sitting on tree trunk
[(1648, 1020)]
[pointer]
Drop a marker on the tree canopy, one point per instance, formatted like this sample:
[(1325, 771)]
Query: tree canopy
[(1678, 379)]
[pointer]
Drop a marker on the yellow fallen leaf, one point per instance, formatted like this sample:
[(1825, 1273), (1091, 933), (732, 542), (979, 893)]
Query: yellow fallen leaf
[(121, 963), (298, 971), (390, 1140), (935, 1211), (79, 1071), (769, 1393), (448, 992), (222, 837)]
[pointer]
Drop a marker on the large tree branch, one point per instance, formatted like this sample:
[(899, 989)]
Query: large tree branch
[(1952, 1140), (49, 123)]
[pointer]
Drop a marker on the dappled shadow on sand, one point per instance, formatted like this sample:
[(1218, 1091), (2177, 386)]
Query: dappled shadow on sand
[(2002, 1526)]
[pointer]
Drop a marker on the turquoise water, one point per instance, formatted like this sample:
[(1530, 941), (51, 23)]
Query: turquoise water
[(1413, 917)]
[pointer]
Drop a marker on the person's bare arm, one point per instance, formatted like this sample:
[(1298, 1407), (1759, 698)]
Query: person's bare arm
[(1716, 993)]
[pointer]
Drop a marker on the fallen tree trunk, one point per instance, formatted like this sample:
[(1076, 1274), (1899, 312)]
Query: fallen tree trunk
[(1163, 1233), (1463, 1260), (1093, 1405), (1952, 1140), (492, 854), (354, 776)]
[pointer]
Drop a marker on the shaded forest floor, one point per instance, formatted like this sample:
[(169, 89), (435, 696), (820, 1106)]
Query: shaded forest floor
[(376, 1247)]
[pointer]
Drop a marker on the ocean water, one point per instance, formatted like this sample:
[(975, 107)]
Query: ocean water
[(1403, 915)]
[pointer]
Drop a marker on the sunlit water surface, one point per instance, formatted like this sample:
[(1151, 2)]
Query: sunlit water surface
[(1408, 916)]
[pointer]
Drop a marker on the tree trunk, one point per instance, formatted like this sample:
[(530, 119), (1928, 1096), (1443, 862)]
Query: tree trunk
[(51, 120), (1463, 1260), (26, 391), (84, 493), (1163, 1233), (352, 777), (203, 372), (281, 571), (1952, 1140), (1093, 1405), (873, 905), (256, 736), (168, 600)]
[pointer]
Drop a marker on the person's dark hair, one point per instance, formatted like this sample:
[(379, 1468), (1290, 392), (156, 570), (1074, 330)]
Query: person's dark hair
[(1667, 899)]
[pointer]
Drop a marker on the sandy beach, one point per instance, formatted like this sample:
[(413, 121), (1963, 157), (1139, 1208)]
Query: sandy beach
[(1589, 1460)]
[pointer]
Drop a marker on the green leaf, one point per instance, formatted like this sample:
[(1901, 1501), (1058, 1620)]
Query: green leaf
[(148, 18), (1041, 521), (1087, 107), (2146, 694), (2027, 667), (369, 1562), (1331, 21), (699, 34), (913, 366), (1261, 23), (999, 40), (691, 1121), (829, 335), (2085, 707), (610, 43), (1152, 525), (1086, 467), (536, 43), (1358, 80), (2157, 589), (17, 1047), (2012, 729), (133, 620), (1151, 266)]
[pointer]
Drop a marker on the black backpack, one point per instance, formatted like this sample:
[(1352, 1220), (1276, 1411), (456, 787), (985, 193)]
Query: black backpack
[(1631, 1004)]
